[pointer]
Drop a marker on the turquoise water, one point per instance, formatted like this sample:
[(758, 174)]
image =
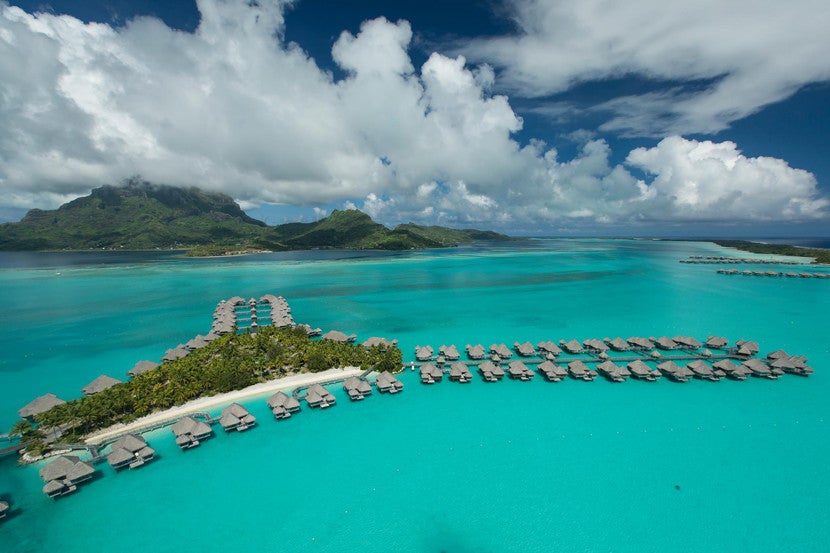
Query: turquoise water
[(512, 466)]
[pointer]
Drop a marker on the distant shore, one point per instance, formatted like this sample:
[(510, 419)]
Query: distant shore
[(819, 255), (206, 403)]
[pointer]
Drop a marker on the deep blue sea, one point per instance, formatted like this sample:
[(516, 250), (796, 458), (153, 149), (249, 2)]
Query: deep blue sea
[(512, 466)]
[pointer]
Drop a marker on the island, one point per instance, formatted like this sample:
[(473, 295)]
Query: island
[(820, 255), (228, 363), (139, 215)]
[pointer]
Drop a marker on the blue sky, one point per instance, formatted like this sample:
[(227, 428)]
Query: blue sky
[(542, 117)]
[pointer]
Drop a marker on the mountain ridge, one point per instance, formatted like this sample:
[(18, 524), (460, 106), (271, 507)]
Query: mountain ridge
[(144, 216)]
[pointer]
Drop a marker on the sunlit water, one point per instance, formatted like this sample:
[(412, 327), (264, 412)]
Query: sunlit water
[(512, 466)]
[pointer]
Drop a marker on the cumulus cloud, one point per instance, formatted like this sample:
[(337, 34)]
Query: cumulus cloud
[(712, 62), (233, 107)]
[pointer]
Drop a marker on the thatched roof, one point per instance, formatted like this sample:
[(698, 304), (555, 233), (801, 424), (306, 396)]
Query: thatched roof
[(571, 346), (185, 425), (40, 405), (375, 341), (449, 352), (175, 353), (337, 336), (130, 442), (142, 367), (549, 347), (619, 344), (100, 384), (119, 456), (476, 351), (59, 468)]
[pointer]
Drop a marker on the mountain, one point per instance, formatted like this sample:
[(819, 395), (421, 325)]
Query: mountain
[(144, 216)]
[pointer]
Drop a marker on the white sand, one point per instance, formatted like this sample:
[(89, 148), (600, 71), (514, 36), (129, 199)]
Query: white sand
[(206, 403)]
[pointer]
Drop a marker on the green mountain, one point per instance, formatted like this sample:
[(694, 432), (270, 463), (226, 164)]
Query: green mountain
[(143, 216)]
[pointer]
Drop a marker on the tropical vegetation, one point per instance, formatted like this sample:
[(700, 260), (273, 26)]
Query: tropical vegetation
[(820, 255), (229, 363)]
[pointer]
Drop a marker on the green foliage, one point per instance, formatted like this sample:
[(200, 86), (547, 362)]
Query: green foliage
[(144, 216), (820, 255), (228, 363)]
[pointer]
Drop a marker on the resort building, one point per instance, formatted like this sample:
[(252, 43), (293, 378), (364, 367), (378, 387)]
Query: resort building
[(666, 343), (450, 353), (387, 383), (282, 405), (716, 342), (675, 372), (571, 346), (581, 371), (178, 352), (613, 372), (357, 388), (639, 369), (317, 396), (39, 405), (792, 364), (595, 346), (376, 342), (475, 352), (747, 348), (618, 344), (519, 371), (459, 372), (142, 367), (525, 350), (687, 342), (760, 369), (501, 350), (732, 370), (236, 417), (548, 347), (130, 451), (703, 371), (424, 353), (551, 371), (190, 432), (63, 475), (490, 371), (100, 384), (337, 336), (637, 342), (430, 374)]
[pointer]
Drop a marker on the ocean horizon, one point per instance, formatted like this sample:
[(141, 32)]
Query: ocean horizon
[(509, 466)]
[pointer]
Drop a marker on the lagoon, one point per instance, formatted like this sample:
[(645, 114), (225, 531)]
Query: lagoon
[(513, 466)]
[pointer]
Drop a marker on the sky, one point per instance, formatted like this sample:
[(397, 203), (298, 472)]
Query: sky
[(533, 117)]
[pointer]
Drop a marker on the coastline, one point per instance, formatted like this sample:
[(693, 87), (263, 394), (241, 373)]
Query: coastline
[(205, 403)]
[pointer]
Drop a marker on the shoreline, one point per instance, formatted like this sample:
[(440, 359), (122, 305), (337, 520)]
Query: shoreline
[(205, 403)]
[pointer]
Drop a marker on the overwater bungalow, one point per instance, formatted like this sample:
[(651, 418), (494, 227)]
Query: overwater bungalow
[(548, 347), (637, 342), (551, 371), (63, 475), (130, 451), (475, 352), (618, 344), (501, 350), (792, 365), (716, 342), (4, 509), (190, 432), (595, 346), (376, 342), (687, 342), (459, 372), (337, 336), (731, 369), (196, 342), (519, 371), (613, 372), (490, 371), (424, 353), (525, 350), (759, 368), (317, 396), (387, 383), (236, 417), (142, 367), (100, 384), (581, 371), (39, 405), (703, 371), (666, 343), (178, 352), (675, 372), (450, 353), (642, 371), (310, 331), (777, 354), (357, 388), (571, 346), (747, 348), (282, 405), (430, 374)]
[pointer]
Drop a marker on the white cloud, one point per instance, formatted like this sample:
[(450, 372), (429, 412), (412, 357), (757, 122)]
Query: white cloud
[(740, 55), (232, 107)]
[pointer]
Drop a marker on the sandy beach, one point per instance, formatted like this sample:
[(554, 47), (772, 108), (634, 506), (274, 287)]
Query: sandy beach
[(208, 403)]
